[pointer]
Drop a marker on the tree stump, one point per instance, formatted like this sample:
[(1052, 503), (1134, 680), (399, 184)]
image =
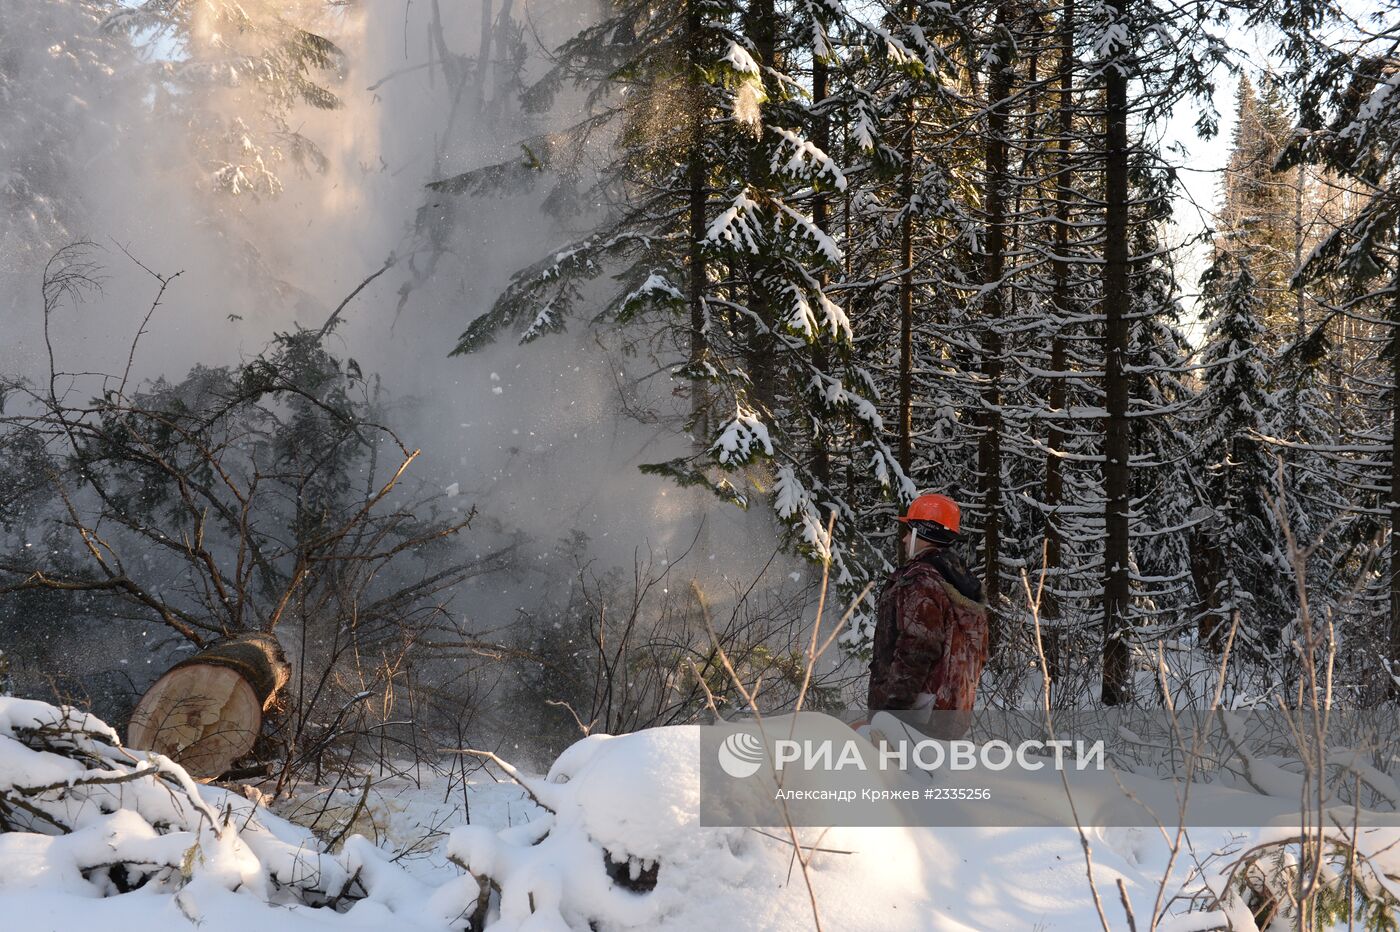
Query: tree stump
[(206, 711)]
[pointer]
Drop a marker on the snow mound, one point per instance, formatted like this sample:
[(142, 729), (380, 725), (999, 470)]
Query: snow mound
[(83, 818), (617, 844), (93, 835)]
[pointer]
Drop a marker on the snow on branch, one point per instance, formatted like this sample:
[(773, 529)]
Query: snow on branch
[(798, 157), (738, 226), (742, 438)]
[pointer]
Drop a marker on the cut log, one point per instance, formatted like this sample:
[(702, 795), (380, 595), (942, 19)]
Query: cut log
[(206, 711)]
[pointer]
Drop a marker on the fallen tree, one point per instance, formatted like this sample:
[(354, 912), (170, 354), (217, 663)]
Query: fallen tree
[(264, 500), (207, 711)]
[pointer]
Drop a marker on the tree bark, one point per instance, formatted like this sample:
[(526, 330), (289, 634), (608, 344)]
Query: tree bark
[(483, 55), (1060, 300), (501, 71), (258, 658), (1116, 681), (905, 449), (206, 711), (994, 300), (760, 28), (695, 180), (821, 138), (1395, 469)]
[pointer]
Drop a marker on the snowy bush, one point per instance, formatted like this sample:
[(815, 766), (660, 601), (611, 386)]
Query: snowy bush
[(1333, 879)]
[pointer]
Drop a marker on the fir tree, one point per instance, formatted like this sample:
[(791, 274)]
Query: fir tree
[(1349, 117), (712, 243), (247, 72), (1244, 568), (57, 96), (1256, 221)]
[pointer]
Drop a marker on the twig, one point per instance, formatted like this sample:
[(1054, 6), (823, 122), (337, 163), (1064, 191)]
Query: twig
[(1127, 905), (508, 768), (355, 814), (335, 315), (1034, 603)]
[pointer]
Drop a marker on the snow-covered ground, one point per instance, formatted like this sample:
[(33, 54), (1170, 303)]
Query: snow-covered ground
[(608, 839)]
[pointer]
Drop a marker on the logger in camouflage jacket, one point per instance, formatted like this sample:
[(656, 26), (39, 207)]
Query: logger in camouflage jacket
[(931, 632)]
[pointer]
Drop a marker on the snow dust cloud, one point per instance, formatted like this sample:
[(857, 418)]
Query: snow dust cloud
[(544, 440)]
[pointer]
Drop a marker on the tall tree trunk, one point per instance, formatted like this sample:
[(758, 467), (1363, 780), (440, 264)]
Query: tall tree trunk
[(1395, 466), (1116, 684), (760, 28), (483, 55), (695, 180), (821, 137), (1060, 300), (906, 297), (502, 65), (994, 301), (1300, 308)]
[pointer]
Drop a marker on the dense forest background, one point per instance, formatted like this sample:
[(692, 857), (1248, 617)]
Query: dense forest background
[(506, 362)]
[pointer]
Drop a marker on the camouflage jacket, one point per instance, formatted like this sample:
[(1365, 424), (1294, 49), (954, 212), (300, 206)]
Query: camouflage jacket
[(930, 636)]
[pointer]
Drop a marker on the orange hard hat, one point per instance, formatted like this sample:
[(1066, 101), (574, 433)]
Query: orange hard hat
[(940, 509)]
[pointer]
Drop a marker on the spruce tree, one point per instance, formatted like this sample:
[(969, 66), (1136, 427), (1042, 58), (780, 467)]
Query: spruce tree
[(1257, 213), (1240, 545), (60, 92), (715, 243), (1349, 118)]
